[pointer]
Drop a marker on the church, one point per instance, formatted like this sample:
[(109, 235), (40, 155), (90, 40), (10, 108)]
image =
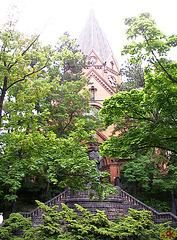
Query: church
[(103, 74)]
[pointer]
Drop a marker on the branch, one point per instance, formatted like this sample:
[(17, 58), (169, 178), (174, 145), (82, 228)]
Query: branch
[(138, 114), (157, 146), (23, 53), (162, 67), (29, 74), (67, 124)]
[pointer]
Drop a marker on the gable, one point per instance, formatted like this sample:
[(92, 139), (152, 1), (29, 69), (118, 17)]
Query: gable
[(93, 55), (102, 88)]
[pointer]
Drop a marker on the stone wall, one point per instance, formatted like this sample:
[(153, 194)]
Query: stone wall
[(112, 207)]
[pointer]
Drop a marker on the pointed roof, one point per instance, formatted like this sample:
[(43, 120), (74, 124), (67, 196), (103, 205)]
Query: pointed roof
[(92, 36)]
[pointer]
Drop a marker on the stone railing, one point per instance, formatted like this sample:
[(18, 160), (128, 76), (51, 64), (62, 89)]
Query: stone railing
[(81, 194), (35, 212), (126, 198), (157, 217)]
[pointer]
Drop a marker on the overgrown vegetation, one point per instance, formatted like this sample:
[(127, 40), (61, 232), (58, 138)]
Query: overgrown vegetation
[(66, 225)]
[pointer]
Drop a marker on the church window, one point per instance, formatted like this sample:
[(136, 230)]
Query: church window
[(93, 92), (112, 81), (104, 64), (92, 60), (112, 64)]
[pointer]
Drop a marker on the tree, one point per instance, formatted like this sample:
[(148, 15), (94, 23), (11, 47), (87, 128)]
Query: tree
[(33, 88), (13, 225), (151, 45), (44, 78), (146, 119), (139, 173), (134, 77), (68, 62), (147, 177), (67, 104), (142, 127), (21, 58), (61, 162)]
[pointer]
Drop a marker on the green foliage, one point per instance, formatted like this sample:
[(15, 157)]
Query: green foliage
[(151, 45), (146, 118), (69, 103), (167, 181), (67, 225), (148, 179), (148, 39), (68, 99), (133, 77), (68, 62), (42, 100), (141, 171), (16, 224), (159, 205), (21, 58), (49, 229), (60, 161)]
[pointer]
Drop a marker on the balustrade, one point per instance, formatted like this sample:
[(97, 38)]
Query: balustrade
[(132, 201), (156, 215)]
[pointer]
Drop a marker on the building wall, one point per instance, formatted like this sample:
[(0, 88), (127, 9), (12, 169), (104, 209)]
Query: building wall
[(101, 77)]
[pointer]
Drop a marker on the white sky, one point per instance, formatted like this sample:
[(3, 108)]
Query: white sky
[(70, 15)]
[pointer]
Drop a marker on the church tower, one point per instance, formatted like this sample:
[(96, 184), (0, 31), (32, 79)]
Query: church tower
[(103, 73)]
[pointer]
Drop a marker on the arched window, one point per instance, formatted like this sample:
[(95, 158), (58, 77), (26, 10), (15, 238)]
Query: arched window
[(92, 90)]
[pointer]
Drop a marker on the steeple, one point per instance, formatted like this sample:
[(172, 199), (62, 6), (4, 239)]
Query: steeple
[(92, 37), (102, 68)]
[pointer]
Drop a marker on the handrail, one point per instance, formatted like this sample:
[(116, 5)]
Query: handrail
[(157, 215), (49, 203), (121, 194)]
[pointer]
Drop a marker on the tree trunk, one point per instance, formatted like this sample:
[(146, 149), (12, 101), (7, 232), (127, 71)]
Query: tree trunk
[(135, 188), (3, 93), (13, 207), (47, 189)]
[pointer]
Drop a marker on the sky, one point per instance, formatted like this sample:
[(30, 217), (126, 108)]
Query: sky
[(52, 18)]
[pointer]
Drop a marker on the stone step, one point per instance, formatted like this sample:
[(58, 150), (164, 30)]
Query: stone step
[(116, 206)]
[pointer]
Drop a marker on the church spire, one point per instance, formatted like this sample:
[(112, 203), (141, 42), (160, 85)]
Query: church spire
[(92, 37)]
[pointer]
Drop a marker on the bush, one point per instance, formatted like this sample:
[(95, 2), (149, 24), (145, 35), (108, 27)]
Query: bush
[(66, 225), (15, 225)]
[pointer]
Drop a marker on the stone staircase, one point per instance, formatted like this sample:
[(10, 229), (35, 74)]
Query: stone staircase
[(132, 202), (117, 205)]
